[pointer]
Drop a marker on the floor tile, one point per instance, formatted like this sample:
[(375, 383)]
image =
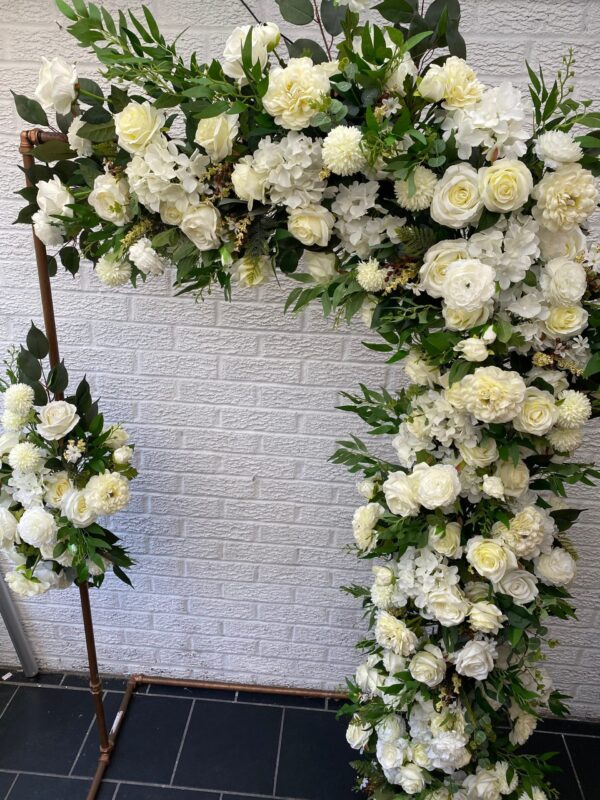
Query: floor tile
[(46, 726), (569, 726), (564, 781), (131, 792), (42, 678), (83, 682), (183, 691), (231, 747), (314, 760), (6, 692), (334, 705), (6, 781), (586, 755), (40, 787), (281, 700), (88, 758), (148, 743)]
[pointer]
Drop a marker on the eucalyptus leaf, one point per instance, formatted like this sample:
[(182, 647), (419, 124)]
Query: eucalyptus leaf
[(298, 12)]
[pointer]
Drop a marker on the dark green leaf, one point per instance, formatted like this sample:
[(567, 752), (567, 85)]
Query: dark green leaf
[(398, 10), (69, 257), (332, 17), (30, 110), (54, 150), (593, 366), (306, 47), (37, 344), (298, 12), (90, 87), (29, 365), (102, 132), (58, 379)]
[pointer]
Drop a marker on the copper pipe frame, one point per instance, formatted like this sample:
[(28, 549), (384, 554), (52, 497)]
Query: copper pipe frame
[(29, 140)]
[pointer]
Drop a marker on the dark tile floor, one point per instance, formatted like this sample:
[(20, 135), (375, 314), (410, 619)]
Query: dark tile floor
[(183, 744)]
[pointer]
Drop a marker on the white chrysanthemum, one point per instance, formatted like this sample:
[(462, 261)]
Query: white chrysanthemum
[(565, 440), (18, 399), (107, 493), (342, 150), (26, 457), (145, 257), (112, 272), (574, 410), (423, 186), (556, 148), (369, 276), (565, 198)]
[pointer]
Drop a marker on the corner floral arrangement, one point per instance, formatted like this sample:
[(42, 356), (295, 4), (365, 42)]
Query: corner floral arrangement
[(377, 171), (61, 472)]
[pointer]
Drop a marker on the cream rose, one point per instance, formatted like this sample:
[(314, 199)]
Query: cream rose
[(76, 509), (556, 568), (428, 666), (436, 486), (505, 186), (311, 225), (485, 617), (456, 200), (57, 485), (201, 225), (295, 91), (446, 543), (476, 659), (479, 455), (492, 394), (138, 125), (448, 605), (249, 183), (468, 285), (57, 85), (565, 198), (538, 413), (56, 420), (37, 527), (394, 634), (458, 320), (401, 495), (514, 477), (518, 584), (110, 199), (489, 558), (566, 321), (217, 135), (321, 266), (436, 262), (358, 733)]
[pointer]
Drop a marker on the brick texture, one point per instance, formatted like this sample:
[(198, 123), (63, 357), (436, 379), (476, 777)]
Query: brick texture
[(238, 523)]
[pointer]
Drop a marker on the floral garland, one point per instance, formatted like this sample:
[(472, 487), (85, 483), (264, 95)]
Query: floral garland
[(60, 471), (379, 173)]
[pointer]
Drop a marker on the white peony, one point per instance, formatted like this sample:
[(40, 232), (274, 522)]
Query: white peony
[(489, 558), (416, 193), (200, 224), (456, 201), (436, 486), (493, 487), (37, 527), (436, 262), (363, 525), (476, 659), (138, 125), (394, 634), (311, 225), (556, 568), (217, 135), (112, 271), (76, 508), (538, 413), (57, 82), (110, 199), (454, 82), (565, 198), (343, 150), (505, 186), (145, 258), (83, 147), (321, 266), (468, 285), (428, 666), (107, 493), (56, 420), (296, 90), (400, 492), (563, 281), (492, 394), (556, 148)]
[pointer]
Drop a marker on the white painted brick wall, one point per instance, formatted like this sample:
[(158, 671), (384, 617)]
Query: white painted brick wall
[(238, 523)]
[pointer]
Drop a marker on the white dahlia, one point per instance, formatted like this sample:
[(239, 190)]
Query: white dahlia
[(416, 195), (26, 457), (18, 399), (574, 410), (556, 148), (112, 272), (565, 440), (369, 276), (342, 150)]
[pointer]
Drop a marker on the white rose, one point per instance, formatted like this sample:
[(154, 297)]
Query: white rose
[(523, 726), (263, 37), (505, 186), (436, 261), (367, 676), (472, 349), (37, 527), (485, 617), (476, 659), (83, 147), (489, 558), (366, 488), (514, 477), (492, 394), (200, 224), (53, 198), (432, 85), (8, 528), (117, 438), (396, 78), (48, 230), (566, 321), (57, 485), (456, 200), (448, 605), (400, 494), (436, 486), (394, 634), (320, 265), (411, 778), (295, 91), (311, 225), (556, 568), (138, 125), (479, 455), (363, 523), (565, 198), (448, 542), (249, 183), (358, 734), (556, 148), (123, 455), (428, 666), (518, 584), (468, 284), (563, 281), (57, 83), (76, 509), (458, 320), (110, 199), (56, 420), (145, 257), (217, 135), (538, 413)]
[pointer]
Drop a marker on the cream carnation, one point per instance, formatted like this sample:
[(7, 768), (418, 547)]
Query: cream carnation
[(343, 150), (394, 634), (489, 558), (18, 399), (107, 493), (145, 258), (216, 135), (295, 91), (311, 225), (505, 186), (137, 125), (436, 262), (556, 148), (573, 410), (26, 457), (538, 413), (363, 525), (369, 276), (468, 285), (565, 198), (417, 193), (492, 394), (456, 201), (556, 568), (56, 420), (111, 271)]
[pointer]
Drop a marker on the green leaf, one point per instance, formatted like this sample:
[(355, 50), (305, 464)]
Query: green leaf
[(397, 10), (416, 39), (54, 150), (306, 47), (58, 379), (593, 366), (69, 257), (37, 344), (66, 10), (298, 12), (332, 17), (459, 369), (30, 110), (98, 132), (29, 365), (91, 87)]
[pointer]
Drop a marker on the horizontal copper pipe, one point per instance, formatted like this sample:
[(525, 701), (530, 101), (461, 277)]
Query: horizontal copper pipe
[(189, 683)]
